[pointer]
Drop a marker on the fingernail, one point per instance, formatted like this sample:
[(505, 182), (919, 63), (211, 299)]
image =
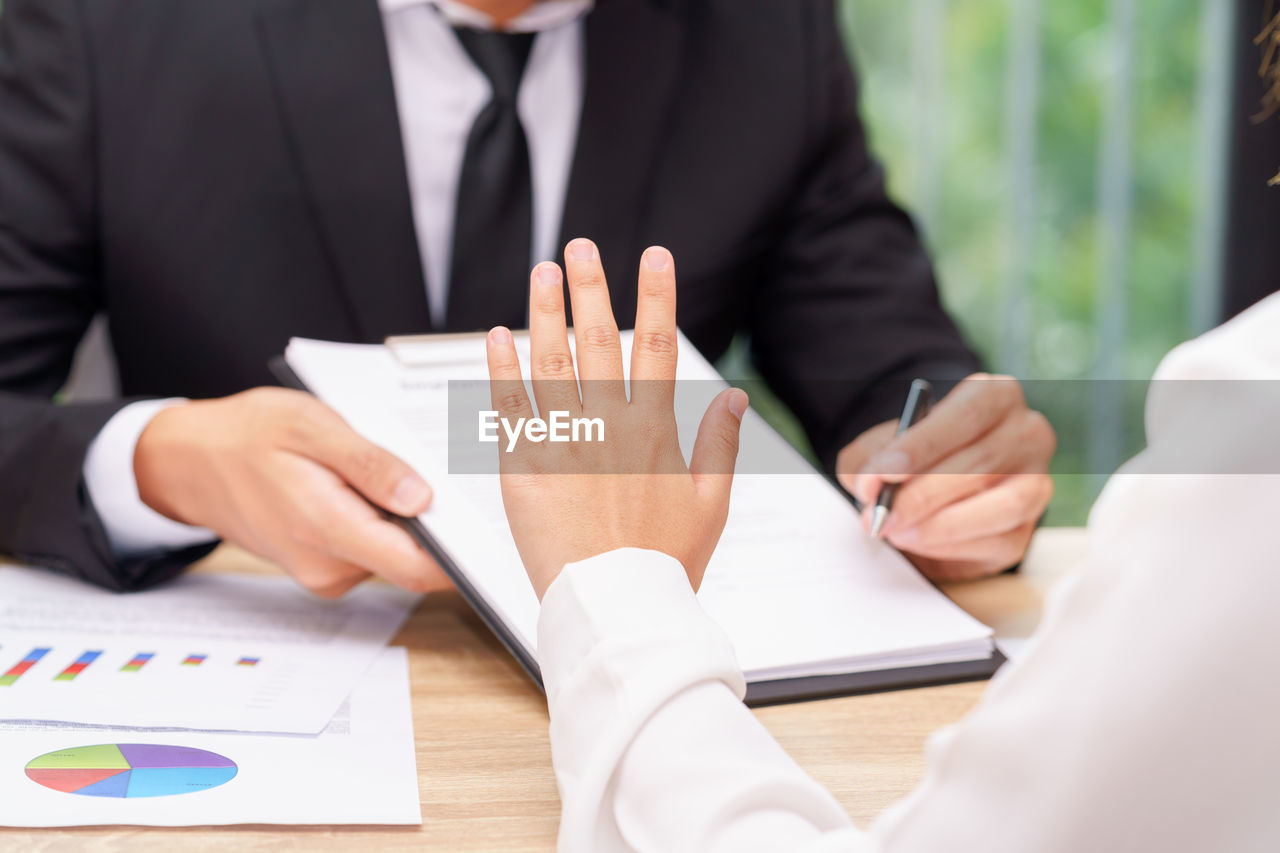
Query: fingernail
[(548, 273), (857, 487), (582, 250), (738, 403), (656, 259), (500, 335), (895, 462), (903, 537), (411, 495)]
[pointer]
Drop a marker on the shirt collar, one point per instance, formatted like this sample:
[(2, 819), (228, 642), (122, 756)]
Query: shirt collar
[(543, 15)]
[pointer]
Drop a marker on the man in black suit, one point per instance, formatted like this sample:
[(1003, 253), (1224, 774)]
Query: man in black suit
[(218, 177)]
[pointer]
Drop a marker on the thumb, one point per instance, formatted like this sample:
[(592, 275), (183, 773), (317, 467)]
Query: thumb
[(853, 458), (716, 449), (375, 473)]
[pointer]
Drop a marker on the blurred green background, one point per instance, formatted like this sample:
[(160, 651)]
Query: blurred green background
[(1054, 156), (1078, 262)]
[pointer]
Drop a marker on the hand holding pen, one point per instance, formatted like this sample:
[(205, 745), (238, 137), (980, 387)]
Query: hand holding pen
[(969, 476), (919, 400)]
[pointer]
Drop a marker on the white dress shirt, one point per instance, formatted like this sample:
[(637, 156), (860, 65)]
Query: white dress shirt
[(1145, 714), (439, 94)]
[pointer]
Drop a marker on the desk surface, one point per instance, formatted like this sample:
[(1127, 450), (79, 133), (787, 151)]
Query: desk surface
[(481, 727)]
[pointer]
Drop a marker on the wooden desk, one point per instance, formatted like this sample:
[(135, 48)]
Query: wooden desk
[(481, 726)]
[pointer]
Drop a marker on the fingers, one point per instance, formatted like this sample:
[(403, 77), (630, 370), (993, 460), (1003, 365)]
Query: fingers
[(959, 529), (337, 523), (653, 351), (1017, 446), (715, 450), (922, 496), (555, 384), (388, 551), (958, 571), (595, 332), (506, 384), (976, 559), (322, 574), (508, 393), (854, 457), (973, 409), (374, 472)]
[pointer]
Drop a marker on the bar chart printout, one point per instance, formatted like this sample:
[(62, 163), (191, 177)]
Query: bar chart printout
[(168, 656), (248, 661), (18, 669), (80, 665), (137, 662)]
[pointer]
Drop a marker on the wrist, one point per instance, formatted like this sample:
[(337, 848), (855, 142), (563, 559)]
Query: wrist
[(162, 464)]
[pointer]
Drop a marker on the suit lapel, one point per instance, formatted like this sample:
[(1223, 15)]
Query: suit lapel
[(333, 79), (634, 51)]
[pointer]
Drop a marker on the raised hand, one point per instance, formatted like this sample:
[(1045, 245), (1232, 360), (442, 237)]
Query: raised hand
[(570, 501)]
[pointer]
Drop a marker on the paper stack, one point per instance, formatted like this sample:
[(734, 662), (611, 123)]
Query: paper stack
[(217, 700)]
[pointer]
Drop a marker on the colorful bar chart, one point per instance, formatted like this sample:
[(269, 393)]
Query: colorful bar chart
[(194, 660), (18, 669), (248, 661), (138, 662), (80, 665)]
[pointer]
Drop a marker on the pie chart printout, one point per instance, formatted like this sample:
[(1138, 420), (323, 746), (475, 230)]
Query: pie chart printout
[(131, 770)]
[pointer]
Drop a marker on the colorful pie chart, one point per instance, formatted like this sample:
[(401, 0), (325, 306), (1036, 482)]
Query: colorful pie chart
[(131, 770)]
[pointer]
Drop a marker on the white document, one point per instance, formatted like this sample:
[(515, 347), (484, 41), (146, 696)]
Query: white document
[(213, 652), (361, 770), (795, 582)]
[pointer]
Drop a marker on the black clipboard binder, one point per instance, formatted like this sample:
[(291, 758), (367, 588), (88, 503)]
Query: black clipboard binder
[(759, 693)]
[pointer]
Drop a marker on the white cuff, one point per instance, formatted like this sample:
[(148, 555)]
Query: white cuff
[(619, 636), (629, 600), (132, 527)]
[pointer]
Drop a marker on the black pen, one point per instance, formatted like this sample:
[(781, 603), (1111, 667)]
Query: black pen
[(919, 398)]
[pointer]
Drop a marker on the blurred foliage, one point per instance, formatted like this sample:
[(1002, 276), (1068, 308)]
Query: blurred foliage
[(968, 193), (970, 232)]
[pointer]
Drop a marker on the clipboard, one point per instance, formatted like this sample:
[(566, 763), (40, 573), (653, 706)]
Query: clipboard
[(759, 693)]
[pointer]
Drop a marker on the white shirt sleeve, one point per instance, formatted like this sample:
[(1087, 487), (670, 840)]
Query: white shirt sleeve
[(132, 527), (652, 746), (1141, 717)]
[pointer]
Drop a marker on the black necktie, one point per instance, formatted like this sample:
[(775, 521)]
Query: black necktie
[(493, 225)]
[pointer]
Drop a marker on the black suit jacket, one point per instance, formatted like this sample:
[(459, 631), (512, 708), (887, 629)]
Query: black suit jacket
[(219, 176)]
